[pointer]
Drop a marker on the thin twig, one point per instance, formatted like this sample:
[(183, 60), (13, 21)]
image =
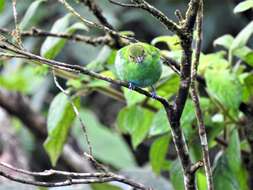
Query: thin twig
[(97, 165), (70, 177), (99, 40), (196, 166), (97, 11), (16, 32), (93, 24), (195, 98), (142, 4), (76, 112)]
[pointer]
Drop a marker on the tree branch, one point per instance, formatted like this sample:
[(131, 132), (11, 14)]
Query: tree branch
[(142, 4), (70, 178), (94, 24), (97, 11), (195, 98), (5, 45), (35, 32)]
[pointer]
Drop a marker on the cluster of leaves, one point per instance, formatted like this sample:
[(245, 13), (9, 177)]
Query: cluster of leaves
[(227, 86)]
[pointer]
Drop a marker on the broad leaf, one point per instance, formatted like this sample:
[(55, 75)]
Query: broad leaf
[(2, 5), (233, 152), (248, 81), (20, 80), (136, 121), (225, 87), (173, 42), (212, 60), (176, 174), (243, 6), (157, 154), (223, 176), (224, 41), (160, 123), (244, 53), (52, 46), (107, 145), (59, 120), (201, 180), (132, 97), (242, 38), (31, 11)]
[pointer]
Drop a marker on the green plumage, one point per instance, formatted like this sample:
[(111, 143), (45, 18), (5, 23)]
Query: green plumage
[(139, 64)]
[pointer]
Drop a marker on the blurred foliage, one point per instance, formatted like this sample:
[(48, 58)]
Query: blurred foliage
[(227, 71)]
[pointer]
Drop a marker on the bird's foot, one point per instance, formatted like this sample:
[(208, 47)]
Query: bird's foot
[(131, 86), (153, 93)]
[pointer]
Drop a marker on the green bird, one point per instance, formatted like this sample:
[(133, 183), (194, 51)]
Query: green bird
[(139, 64)]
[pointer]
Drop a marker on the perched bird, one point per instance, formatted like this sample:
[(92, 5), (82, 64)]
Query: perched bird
[(139, 64)]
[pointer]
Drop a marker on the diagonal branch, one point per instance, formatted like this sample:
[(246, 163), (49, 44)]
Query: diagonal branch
[(94, 24), (97, 11), (5, 45), (142, 4)]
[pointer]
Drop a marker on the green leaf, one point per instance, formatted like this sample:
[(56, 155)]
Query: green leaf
[(60, 117), (225, 87), (176, 174), (248, 81), (160, 123), (129, 119), (169, 87), (141, 132), (136, 121), (233, 152), (98, 63), (31, 11), (173, 42), (249, 58), (52, 46), (243, 6), (2, 5), (212, 60), (223, 176), (224, 41), (201, 180), (104, 186), (188, 114), (107, 145), (158, 151), (132, 97), (20, 80), (242, 38), (244, 53)]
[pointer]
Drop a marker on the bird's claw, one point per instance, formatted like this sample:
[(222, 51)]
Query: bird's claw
[(153, 93), (131, 86)]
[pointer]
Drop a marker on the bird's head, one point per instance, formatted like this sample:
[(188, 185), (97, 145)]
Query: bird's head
[(137, 53)]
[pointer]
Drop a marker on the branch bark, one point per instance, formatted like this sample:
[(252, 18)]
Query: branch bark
[(195, 98), (69, 178)]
